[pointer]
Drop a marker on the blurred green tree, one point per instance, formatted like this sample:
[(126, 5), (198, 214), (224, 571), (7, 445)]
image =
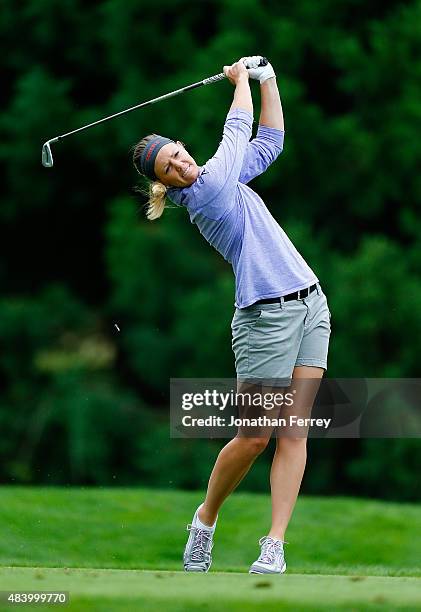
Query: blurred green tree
[(77, 255)]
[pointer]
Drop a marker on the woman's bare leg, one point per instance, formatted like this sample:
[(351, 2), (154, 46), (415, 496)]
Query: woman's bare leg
[(232, 464), (236, 457), (291, 453)]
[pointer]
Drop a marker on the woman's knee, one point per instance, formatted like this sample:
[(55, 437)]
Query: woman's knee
[(253, 446), (291, 444)]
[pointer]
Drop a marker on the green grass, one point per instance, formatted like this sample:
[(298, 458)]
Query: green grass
[(343, 553), (115, 590)]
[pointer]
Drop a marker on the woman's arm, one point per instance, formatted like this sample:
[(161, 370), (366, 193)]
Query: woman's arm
[(268, 144), (213, 194), (238, 75), (271, 113), (242, 95)]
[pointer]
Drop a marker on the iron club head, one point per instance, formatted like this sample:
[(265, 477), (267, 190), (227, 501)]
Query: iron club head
[(47, 155)]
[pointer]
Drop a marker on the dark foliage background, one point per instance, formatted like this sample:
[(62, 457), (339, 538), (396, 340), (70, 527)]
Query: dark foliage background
[(84, 404)]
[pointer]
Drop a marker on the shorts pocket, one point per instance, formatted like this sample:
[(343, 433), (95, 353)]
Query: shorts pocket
[(248, 318)]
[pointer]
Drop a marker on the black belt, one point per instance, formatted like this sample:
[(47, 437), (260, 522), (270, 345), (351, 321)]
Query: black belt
[(297, 295)]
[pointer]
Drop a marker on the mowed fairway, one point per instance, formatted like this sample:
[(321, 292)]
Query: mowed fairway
[(121, 549), (116, 590)]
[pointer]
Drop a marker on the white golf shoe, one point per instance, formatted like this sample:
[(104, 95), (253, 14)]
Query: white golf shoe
[(198, 552), (271, 559)]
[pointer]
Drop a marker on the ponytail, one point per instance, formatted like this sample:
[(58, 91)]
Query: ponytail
[(157, 191), (156, 203)]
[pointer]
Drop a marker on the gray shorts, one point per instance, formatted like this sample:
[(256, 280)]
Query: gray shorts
[(269, 340)]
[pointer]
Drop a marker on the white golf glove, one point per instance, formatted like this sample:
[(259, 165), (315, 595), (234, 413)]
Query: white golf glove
[(259, 73)]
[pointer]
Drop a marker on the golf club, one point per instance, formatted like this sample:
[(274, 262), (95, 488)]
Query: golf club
[(47, 155)]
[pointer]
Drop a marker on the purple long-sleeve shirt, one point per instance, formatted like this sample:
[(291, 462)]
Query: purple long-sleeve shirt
[(235, 220)]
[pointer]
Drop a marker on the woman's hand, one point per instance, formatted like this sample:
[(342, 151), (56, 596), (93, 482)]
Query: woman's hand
[(259, 73), (236, 72)]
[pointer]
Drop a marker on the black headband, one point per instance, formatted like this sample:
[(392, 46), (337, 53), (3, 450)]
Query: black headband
[(145, 163)]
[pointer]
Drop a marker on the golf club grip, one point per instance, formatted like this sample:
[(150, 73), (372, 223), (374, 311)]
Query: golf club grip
[(221, 75)]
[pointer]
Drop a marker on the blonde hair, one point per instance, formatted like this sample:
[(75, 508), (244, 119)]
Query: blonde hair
[(156, 203), (157, 191)]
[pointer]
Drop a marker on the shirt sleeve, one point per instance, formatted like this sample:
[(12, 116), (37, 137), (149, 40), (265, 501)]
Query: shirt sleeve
[(214, 191), (261, 152)]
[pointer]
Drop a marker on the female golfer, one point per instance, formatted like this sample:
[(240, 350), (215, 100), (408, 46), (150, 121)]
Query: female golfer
[(281, 325)]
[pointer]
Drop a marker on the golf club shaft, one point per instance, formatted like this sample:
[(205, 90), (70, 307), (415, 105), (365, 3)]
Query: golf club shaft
[(212, 79), (47, 156)]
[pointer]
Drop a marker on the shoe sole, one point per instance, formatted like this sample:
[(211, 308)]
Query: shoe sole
[(197, 571), (255, 571)]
